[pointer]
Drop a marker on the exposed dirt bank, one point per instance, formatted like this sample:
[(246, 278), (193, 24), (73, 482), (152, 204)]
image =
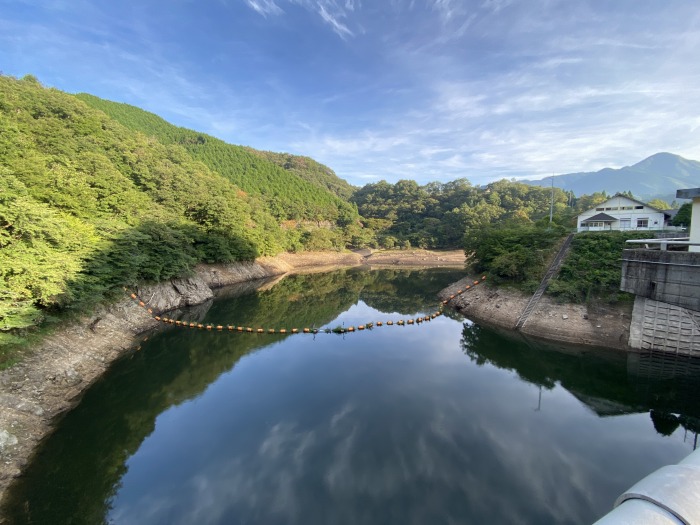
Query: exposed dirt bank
[(51, 378), (593, 325)]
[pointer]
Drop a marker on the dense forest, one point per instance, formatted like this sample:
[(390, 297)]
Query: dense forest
[(96, 195), (290, 186)]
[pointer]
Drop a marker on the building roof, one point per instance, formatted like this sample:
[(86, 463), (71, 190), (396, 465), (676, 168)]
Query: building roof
[(604, 217), (634, 200), (617, 195), (688, 193)]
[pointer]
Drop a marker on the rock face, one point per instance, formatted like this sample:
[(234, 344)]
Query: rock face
[(175, 293), (591, 325)]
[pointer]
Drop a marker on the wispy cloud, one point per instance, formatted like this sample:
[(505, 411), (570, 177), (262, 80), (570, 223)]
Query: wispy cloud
[(334, 20), (265, 7), (423, 89)]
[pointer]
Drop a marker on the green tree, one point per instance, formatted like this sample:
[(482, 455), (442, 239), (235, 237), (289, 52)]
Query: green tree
[(659, 204), (684, 215)]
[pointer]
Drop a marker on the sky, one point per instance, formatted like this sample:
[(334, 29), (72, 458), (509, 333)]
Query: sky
[(430, 90)]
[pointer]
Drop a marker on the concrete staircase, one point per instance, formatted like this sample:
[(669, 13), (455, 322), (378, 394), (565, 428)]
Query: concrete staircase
[(553, 269)]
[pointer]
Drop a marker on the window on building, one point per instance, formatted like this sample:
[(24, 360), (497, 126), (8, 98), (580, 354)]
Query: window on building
[(642, 223), (625, 224), (639, 207), (600, 209)]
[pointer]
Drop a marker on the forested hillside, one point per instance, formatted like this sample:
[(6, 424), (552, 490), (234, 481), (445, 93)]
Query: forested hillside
[(87, 205), (310, 170), (437, 215), (293, 188), (96, 195)]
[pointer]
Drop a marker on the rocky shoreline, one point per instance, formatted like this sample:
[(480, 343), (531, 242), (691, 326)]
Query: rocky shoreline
[(590, 325), (51, 378)]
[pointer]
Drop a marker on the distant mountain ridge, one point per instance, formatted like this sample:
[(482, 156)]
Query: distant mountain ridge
[(658, 176)]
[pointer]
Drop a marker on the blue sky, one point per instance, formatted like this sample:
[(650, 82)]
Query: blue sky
[(420, 89)]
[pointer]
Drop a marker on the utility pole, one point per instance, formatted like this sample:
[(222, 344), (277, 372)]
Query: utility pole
[(551, 206)]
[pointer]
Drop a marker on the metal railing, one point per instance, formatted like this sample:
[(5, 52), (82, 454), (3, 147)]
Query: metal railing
[(664, 243)]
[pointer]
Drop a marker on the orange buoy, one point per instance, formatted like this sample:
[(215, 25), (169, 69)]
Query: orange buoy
[(283, 330), (295, 330), (379, 323), (157, 318), (410, 321), (230, 327), (361, 327), (248, 329), (390, 323), (177, 323), (219, 327), (483, 277), (351, 328), (209, 327), (476, 282), (200, 326), (239, 328), (271, 331), (141, 303), (260, 330), (133, 296), (150, 311)]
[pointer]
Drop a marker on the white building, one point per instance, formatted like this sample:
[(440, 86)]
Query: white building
[(621, 213)]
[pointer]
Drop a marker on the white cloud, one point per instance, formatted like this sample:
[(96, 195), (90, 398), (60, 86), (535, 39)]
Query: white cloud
[(334, 20), (265, 7)]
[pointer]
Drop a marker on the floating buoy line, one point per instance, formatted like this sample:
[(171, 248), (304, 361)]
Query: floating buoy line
[(307, 330)]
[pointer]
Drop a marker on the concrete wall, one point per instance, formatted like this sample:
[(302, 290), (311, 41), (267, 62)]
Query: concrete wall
[(695, 225), (661, 326), (692, 193), (669, 277)]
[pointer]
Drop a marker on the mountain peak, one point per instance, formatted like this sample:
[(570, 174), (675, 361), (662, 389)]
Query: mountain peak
[(659, 175), (661, 161)]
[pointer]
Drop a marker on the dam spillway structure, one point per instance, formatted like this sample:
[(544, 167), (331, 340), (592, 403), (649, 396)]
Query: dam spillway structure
[(664, 276)]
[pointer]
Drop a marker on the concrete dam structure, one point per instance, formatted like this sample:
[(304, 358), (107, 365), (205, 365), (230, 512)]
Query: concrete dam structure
[(666, 313), (666, 283)]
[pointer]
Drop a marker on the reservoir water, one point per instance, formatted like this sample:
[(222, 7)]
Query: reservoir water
[(445, 422)]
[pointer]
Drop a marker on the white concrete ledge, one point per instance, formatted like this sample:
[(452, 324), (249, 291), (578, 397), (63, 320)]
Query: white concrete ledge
[(669, 496)]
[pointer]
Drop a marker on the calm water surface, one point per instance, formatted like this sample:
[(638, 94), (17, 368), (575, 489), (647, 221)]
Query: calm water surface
[(446, 422)]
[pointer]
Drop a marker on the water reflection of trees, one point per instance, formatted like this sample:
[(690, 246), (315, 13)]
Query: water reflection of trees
[(407, 292), (608, 382), (85, 459)]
